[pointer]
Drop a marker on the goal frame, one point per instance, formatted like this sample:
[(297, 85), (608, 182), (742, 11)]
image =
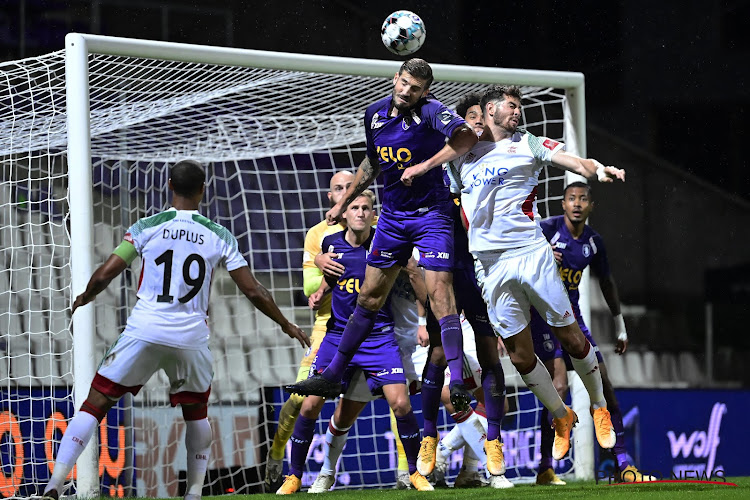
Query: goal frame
[(78, 46)]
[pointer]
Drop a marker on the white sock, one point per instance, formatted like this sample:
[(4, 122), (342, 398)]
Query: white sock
[(78, 434), (474, 431), (540, 383), (451, 442), (198, 438), (471, 461), (588, 369), (333, 447)]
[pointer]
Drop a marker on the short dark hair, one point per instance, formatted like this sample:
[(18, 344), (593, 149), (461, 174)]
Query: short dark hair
[(578, 184), (467, 101), (418, 68), (498, 93), (188, 177)]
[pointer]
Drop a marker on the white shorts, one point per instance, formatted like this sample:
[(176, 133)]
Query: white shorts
[(130, 362), (472, 372), (514, 280)]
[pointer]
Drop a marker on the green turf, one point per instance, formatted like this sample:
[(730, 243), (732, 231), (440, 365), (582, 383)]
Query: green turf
[(575, 490)]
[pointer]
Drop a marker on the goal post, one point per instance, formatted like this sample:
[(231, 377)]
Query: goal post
[(108, 117)]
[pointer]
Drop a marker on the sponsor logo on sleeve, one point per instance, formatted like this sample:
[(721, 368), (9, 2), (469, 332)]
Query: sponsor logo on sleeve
[(128, 237), (446, 116), (550, 144)]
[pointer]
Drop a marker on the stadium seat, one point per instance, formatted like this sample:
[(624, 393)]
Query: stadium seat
[(671, 370), (616, 369), (634, 369), (220, 318), (691, 371), (236, 365), (21, 361), (652, 371), (45, 359)]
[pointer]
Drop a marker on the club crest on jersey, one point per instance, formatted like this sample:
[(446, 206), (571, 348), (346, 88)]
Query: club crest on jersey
[(586, 250), (375, 123)]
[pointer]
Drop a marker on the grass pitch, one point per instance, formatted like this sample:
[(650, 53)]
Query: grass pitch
[(576, 490)]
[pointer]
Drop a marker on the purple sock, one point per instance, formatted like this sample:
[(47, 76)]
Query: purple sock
[(302, 436), (432, 386), (408, 432), (493, 384), (453, 345), (619, 449), (548, 437), (357, 329)]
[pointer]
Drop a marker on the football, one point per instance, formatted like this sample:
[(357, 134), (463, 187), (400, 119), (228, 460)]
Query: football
[(403, 32)]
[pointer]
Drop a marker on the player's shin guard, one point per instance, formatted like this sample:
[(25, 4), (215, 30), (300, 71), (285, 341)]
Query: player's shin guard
[(287, 418), (432, 385), (79, 432), (357, 329), (333, 447), (403, 464), (587, 367), (408, 433), (198, 438), (547, 438), (453, 342), (493, 384), (301, 439), (539, 382)]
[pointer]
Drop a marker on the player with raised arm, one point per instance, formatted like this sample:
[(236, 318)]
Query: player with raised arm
[(377, 358), (405, 135), (312, 278), (167, 328), (469, 302), (515, 264), (576, 246)]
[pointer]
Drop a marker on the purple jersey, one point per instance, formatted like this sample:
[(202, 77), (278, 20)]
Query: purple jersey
[(405, 140), (345, 288), (587, 250)]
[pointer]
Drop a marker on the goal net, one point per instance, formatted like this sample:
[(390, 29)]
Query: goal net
[(271, 130)]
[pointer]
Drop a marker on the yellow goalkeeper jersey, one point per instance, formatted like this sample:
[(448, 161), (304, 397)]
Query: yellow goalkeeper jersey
[(312, 275)]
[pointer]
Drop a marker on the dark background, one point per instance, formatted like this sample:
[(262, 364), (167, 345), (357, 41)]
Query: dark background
[(670, 77), (666, 93)]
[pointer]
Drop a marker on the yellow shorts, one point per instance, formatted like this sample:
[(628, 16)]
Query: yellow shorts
[(317, 336)]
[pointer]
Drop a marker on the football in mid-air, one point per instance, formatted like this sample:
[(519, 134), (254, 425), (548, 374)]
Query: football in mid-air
[(403, 32)]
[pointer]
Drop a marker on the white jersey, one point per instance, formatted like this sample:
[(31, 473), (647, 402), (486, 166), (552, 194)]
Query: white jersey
[(179, 251), (498, 196)]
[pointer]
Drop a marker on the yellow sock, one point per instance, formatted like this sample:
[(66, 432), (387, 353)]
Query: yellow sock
[(287, 418), (402, 463)]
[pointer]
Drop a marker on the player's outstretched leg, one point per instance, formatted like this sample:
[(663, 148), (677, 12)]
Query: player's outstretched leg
[(315, 385), (79, 432), (537, 379), (583, 359)]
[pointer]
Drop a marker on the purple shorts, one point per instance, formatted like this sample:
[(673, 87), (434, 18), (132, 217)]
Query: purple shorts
[(378, 358), (399, 232), (546, 345)]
